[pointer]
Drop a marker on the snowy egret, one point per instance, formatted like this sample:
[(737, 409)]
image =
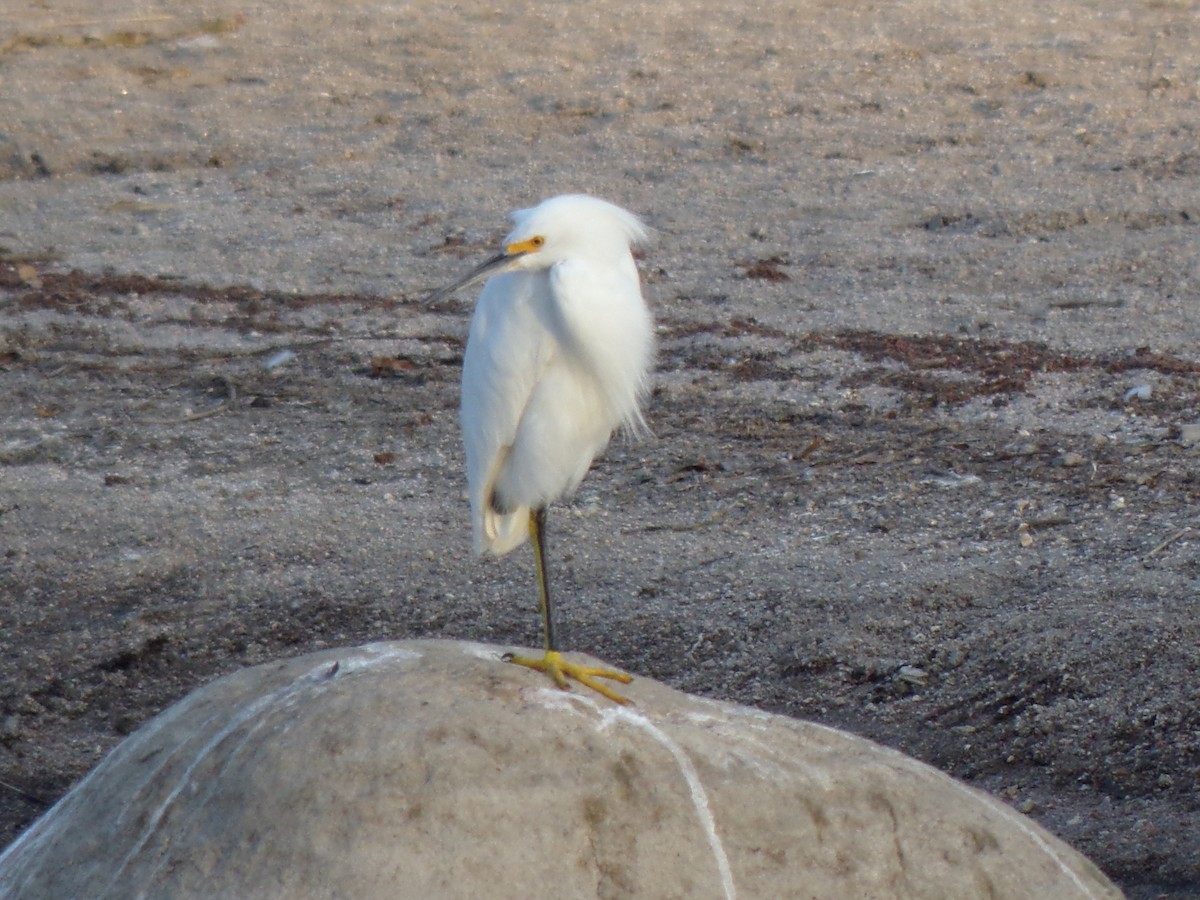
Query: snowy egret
[(558, 358)]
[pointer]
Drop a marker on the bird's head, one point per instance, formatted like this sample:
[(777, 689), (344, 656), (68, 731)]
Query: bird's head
[(573, 225)]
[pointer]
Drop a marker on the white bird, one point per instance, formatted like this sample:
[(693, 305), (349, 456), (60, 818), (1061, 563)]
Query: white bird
[(558, 357)]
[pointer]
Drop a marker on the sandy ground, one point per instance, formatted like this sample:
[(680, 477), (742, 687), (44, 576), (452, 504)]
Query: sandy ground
[(926, 448)]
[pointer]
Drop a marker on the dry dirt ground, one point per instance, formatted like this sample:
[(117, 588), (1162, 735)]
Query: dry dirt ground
[(926, 451)]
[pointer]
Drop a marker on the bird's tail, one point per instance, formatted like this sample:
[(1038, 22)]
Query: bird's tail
[(498, 533)]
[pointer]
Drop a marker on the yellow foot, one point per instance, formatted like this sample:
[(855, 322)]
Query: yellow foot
[(560, 670)]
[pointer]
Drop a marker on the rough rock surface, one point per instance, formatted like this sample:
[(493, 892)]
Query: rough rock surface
[(430, 769)]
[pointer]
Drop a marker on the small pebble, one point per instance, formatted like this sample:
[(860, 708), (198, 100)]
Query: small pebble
[(29, 276), (1189, 435)]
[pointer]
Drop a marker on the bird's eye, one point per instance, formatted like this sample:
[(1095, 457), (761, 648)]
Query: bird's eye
[(537, 241)]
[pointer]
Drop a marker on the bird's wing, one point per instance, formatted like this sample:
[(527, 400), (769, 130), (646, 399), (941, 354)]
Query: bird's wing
[(604, 322), (507, 350)]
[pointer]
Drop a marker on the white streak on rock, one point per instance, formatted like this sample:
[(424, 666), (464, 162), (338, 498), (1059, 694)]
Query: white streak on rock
[(281, 698), (627, 716), (369, 655), (481, 651)]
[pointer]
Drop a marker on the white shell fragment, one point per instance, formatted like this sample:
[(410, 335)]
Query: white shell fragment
[(275, 360)]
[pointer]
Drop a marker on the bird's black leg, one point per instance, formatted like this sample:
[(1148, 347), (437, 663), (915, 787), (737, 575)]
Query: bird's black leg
[(537, 536)]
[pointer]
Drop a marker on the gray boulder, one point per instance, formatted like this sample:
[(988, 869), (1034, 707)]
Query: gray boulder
[(431, 769)]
